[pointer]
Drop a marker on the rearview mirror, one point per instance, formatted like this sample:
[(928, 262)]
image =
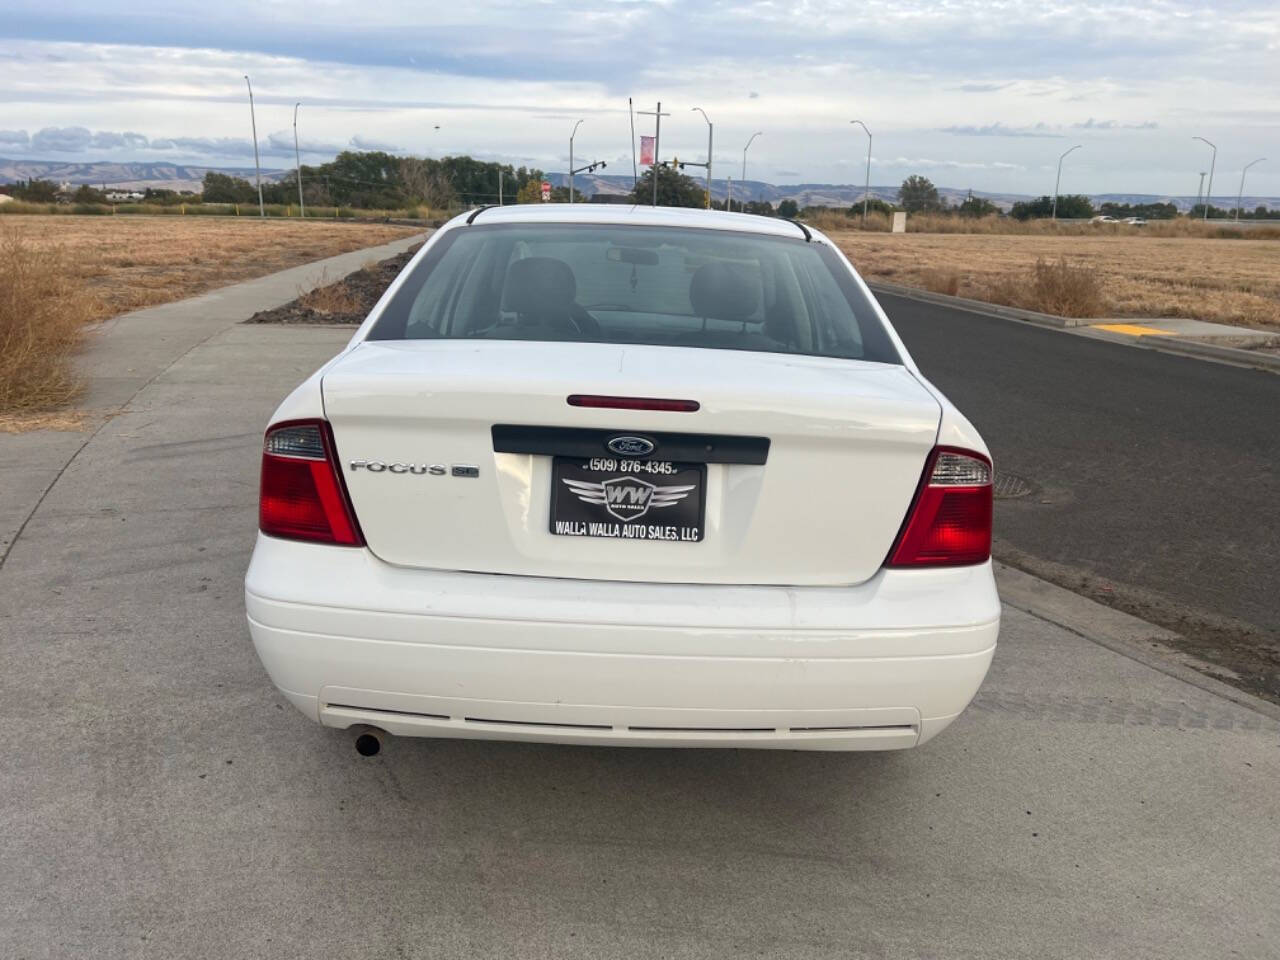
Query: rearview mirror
[(633, 255)]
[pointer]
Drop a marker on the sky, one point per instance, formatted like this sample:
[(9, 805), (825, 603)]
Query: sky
[(970, 93)]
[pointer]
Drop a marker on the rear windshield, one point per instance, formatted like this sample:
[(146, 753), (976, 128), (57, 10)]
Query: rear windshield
[(637, 284)]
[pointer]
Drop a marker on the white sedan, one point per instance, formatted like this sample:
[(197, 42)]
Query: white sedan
[(632, 476)]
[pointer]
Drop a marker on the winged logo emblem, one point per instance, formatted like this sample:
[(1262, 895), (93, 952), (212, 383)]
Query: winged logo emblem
[(627, 498)]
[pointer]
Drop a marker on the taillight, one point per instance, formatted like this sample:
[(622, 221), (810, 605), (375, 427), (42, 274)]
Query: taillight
[(633, 403), (950, 522), (302, 495)]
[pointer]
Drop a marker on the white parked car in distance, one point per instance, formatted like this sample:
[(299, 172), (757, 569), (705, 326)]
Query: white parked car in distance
[(634, 476)]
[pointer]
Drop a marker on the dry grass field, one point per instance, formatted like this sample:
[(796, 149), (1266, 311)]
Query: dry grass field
[(1234, 281), (58, 274), (131, 262)]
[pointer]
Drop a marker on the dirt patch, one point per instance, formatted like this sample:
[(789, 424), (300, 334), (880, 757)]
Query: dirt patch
[(345, 302)]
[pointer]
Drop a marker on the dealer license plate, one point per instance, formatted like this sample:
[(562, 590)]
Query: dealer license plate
[(623, 499)]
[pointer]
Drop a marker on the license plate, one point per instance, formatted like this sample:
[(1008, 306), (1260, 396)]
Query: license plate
[(622, 499)]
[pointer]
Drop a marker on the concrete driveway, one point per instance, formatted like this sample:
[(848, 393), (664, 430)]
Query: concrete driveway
[(159, 799)]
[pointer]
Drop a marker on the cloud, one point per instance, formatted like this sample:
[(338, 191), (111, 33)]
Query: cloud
[(983, 87), (753, 95), (1000, 130), (282, 142), (84, 140), (947, 164), (106, 140), (62, 139), (210, 146), (365, 143), (1092, 124)]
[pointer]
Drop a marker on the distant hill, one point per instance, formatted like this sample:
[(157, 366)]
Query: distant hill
[(846, 195), (132, 176), (178, 176)]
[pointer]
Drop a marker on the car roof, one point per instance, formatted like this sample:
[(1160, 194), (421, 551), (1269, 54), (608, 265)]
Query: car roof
[(616, 213)]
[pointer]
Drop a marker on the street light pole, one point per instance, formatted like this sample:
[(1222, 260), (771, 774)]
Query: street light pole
[(1057, 183), (866, 189), (1200, 189), (262, 210), (657, 115), (1208, 202), (744, 164), (571, 136), (297, 159), (710, 132), (1240, 195)]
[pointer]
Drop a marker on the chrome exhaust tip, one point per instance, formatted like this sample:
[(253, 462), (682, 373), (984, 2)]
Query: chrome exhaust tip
[(369, 741)]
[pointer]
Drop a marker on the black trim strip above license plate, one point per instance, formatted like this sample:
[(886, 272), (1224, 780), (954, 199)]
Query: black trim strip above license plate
[(617, 498), (671, 447)]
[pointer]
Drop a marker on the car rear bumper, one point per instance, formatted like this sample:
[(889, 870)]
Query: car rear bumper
[(882, 665)]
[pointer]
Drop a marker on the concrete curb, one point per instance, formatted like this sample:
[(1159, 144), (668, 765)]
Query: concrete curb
[(977, 306), (1187, 348), (1122, 633)]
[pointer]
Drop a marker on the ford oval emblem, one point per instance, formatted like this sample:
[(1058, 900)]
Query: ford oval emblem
[(631, 446)]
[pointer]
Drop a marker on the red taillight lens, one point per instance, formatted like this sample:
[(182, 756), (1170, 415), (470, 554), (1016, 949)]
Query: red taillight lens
[(302, 495), (950, 521)]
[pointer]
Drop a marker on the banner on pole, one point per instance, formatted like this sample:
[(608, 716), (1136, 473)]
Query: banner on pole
[(646, 150)]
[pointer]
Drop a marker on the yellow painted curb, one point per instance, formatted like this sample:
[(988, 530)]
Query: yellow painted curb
[(1133, 330)]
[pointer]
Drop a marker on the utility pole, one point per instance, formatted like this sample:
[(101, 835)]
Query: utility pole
[(1208, 197), (499, 184), (744, 163), (571, 136), (1240, 195), (710, 132), (657, 143), (262, 211), (1057, 183), (297, 159), (866, 189)]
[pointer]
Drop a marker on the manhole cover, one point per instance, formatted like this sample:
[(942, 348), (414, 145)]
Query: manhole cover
[(1009, 486)]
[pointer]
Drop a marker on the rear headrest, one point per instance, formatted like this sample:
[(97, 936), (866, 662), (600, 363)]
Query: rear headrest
[(539, 286), (720, 291)]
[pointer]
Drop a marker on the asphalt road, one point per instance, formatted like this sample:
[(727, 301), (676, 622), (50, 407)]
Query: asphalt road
[(1155, 476), (159, 799)]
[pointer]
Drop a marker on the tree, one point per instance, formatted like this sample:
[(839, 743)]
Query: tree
[(426, 183), (220, 188), (874, 205), (87, 194), (918, 195), (789, 209), (37, 191), (1148, 211), (977, 207), (531, 192), (1215, 213), (1071, 206), (674, 189)]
